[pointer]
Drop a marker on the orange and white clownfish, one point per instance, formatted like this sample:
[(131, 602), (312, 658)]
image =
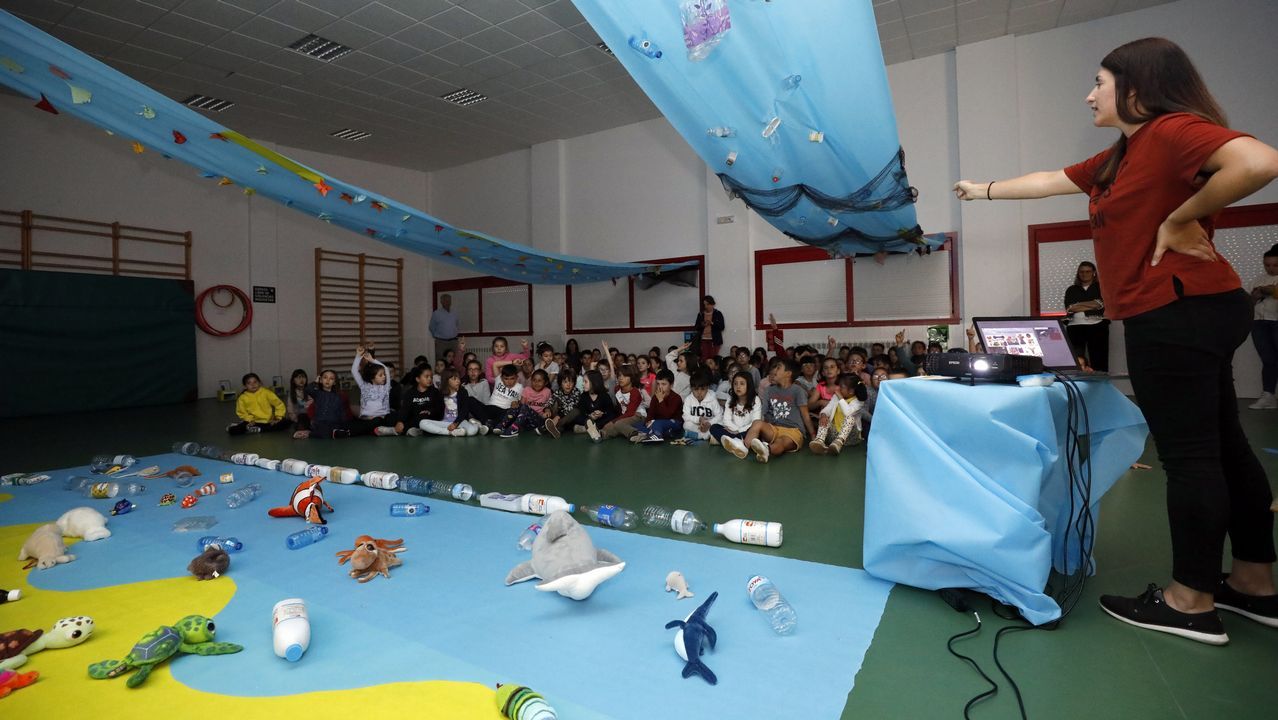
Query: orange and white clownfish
[(308, 502)]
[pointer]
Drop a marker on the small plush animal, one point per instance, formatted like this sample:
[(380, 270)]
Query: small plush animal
[(676, 583), (9, 596), (694, 634), (372, 556), (45, 548), (10, 681), (565, 560), (84, 522), (18, 645), (308, 502), (212, 563)]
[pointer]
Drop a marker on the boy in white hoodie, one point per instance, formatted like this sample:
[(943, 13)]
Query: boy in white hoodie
[(841, 417), (700, 407)]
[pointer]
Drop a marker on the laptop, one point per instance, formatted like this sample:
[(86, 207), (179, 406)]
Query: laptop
[(1043, 337)]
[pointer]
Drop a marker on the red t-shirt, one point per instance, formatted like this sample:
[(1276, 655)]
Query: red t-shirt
[(1158, 174)]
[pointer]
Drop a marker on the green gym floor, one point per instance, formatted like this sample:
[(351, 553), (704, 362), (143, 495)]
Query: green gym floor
[(1092, 666)]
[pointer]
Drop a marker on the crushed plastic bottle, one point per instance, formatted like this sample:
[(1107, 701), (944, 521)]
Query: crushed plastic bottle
[(704, 24), (111, 463), (722, 132), (243, 496), (611, 516), (186, 448), (529, 536), (767, 598), (195, 522), (302, 538), (684, 522)]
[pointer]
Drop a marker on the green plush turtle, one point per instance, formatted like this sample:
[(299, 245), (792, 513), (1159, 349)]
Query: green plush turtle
[(17, 645), (192, 634)]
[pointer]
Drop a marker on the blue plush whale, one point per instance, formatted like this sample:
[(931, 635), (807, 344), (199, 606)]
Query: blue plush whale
[(690, 641)]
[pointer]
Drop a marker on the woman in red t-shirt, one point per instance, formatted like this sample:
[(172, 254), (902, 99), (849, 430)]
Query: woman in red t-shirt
[(1154, 196)]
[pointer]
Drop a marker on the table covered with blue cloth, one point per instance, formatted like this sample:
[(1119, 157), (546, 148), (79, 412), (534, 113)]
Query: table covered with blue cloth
[(968, 486)]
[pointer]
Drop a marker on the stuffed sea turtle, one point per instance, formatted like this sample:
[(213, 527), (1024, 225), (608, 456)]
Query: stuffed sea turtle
[(192, 634), (17, 645)]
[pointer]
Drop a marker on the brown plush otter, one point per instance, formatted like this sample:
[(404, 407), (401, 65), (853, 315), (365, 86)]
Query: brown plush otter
[(213, 562)]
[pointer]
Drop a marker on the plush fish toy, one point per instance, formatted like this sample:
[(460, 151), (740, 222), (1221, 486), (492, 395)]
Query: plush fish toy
[(308, 502), (122, 507), (189, 501), (690, 641), (167, 499)]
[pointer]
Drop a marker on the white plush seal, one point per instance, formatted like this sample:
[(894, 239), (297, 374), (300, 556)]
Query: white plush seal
[(45, 548), (565, 560), (84, 522), (677, 583)]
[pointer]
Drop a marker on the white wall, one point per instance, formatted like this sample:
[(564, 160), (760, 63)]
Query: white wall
[(57, 165)]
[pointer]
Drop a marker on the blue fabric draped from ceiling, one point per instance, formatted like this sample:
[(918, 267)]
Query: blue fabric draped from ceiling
[(65, 80), (787, 101)]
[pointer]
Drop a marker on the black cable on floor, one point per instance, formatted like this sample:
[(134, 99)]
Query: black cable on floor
[(949, 645)]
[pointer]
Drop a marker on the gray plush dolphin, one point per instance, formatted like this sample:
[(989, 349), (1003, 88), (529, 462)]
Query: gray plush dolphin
[(565, 560)]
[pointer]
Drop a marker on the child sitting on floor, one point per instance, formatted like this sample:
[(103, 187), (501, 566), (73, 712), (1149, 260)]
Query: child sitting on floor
[(743, 409), (476, 386), (374, 396), (506, 394), (785, 422), (596, 406), (841, 417), (531, 410), (629, 399), (646, 375), (500, 358), (665, 413), (259, 409), (456, 421), (700, 408), (563, 404), (330, 409), (296, 402), (421, 401)]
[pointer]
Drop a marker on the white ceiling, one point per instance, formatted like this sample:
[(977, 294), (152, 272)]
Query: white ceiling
[(535, 59)]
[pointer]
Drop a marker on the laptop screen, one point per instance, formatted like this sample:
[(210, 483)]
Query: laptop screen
[(1041, 337)]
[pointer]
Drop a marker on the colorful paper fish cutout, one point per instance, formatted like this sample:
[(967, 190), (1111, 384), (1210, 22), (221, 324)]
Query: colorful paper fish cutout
[(323, 188), (261, 170), (348, 198), (79, 95), (225, 181), (178, 137), (46, 106), (10, 65), (137, 148), (146, 113), (59, 72)]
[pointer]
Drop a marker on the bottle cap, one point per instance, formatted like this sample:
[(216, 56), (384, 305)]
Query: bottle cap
[(714, 527), (293, 653), (572, 508)]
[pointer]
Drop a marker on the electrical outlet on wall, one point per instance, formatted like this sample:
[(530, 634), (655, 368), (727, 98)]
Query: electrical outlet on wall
[(725, 219)]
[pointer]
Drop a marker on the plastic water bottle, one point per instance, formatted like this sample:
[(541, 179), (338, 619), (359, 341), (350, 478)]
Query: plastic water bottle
[(23, 479), (212, 452), (751, 532), (543, 504), (292, 629), (457, 491), (104, 490), (78, 483), (316, 470), (229, 544), (243, 496), (684, 522), (721, 131), (380, 480), (767, 598), (245, 458), (413, 485), (528, 536), (612, 516), (105, 463), (408, 509), (293, 466), (186, 448), (267, 464), (302, 538)]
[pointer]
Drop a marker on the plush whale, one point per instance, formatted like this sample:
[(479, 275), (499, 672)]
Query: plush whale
[(694, 633), (565, 560)]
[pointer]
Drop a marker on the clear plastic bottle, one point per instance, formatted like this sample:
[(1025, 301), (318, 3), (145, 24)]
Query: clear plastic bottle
[(722, 132), (413, 485), (684, 522), (612, 516), (229, 544), (267, 464), (302, 538), (243, 496), (103, 490), (186, 448), (529, 536), (409, 509), (23, 479), (78, 483), (751, 532), (108, 463), (212, 452), (767, 598), (457, 491)]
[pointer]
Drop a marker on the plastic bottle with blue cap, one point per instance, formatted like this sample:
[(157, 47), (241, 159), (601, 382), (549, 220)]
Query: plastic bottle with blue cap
[(292, 629)]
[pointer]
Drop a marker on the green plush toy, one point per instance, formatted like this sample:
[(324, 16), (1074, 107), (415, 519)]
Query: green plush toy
[(17, 645), (192, 634), (520, 703)]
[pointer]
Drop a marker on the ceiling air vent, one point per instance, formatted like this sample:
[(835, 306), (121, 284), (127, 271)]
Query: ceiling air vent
[(204, 102), (320, 48), (349, 134), (464, 97)]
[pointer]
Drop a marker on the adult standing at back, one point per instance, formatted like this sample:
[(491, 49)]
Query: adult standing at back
[(443, 326), (709, 327), (1153, 200), (1264, 329), (1088, 329)]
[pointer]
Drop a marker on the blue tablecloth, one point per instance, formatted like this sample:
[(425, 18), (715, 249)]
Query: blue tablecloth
[(967, 486)]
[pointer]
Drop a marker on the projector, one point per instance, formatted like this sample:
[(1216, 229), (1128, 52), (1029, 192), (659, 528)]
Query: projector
[(991, 367)]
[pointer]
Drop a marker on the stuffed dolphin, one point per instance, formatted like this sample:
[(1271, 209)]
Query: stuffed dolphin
[(565, 560)]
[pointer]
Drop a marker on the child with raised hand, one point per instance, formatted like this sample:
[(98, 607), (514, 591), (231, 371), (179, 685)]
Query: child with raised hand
[(259, 409), (530, 412), (684, 364), (374, 396), (841, 417), (501, 358), (330, 409), (743, 409), (421, 401), (596, 407), (700, 408), (665, 413), (629, 399), (456, 421), (563, 404), (785, 422), (506, 394), (296, 402)]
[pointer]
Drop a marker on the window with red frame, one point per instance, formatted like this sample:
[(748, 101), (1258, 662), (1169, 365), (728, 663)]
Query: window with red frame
[(659, 304), (488, 305), (1243, 234), (805, 288)]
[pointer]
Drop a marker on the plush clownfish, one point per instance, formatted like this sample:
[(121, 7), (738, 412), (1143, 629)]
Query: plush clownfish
[(189, 501), (308, 502)]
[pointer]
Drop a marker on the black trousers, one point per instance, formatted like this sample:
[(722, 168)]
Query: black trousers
[(1180, 358), (1091, 341), (240, 428)]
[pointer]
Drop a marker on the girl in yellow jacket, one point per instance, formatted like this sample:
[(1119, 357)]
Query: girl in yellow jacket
[(259, 409)]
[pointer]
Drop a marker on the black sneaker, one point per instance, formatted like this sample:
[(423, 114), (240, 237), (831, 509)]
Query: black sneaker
[(1261, 608), (1148, 610)]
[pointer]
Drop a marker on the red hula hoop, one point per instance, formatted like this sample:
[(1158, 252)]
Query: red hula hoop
[(203, 324)]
